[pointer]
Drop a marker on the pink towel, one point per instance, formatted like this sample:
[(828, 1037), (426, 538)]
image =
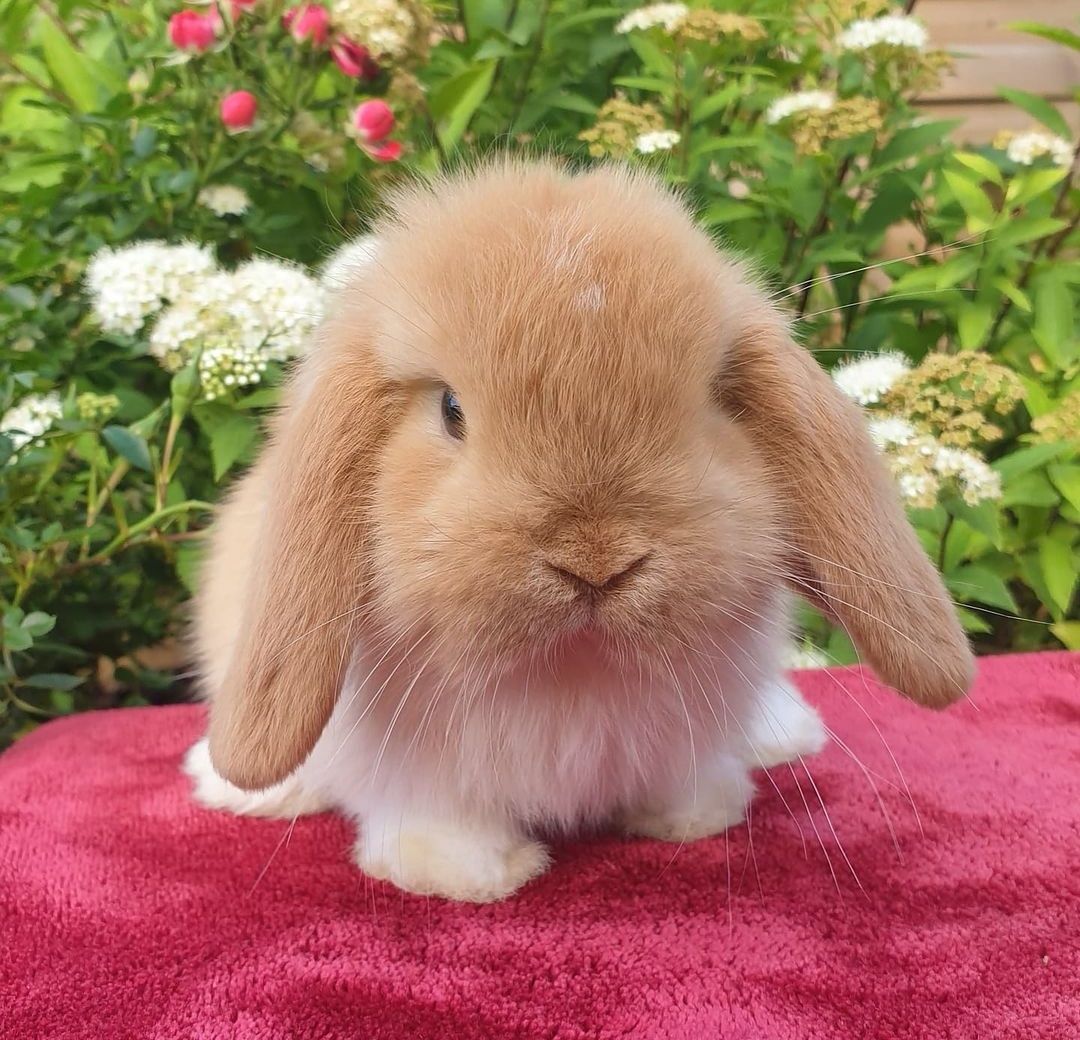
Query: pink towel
[(938, 898)]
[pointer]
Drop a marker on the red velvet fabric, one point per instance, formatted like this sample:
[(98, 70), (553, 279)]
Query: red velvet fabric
[(938, 898)]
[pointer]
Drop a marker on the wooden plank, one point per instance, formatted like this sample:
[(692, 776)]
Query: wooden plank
[(982, 120), (1050, 71), (964, 22)]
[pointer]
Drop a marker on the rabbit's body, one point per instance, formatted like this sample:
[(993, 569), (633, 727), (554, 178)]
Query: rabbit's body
[(514, 560), (451, 778)]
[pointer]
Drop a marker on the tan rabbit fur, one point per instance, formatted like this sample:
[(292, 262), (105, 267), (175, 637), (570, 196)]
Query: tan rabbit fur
[(637, 420)]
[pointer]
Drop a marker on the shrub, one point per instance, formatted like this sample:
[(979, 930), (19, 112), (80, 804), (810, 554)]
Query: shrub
[(175, 177)]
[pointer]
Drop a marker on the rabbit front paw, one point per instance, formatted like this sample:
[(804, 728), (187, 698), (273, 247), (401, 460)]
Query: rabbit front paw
[(459, 861), (697, 809)]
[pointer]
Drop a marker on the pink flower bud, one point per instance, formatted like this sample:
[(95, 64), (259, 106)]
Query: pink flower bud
[(191, 31), (238, 109), (373, 121), (307, 22), (353, 59), (387, 151), (238, 7)]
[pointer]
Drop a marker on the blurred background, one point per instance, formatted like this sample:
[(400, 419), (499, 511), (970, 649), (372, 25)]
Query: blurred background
[(175, 179)]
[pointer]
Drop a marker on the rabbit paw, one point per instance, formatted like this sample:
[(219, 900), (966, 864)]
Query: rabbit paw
[(286, 800), (783, 728), (455, 861), (718, 801)]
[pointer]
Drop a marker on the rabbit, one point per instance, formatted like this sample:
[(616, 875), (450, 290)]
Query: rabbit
[(517, 558)]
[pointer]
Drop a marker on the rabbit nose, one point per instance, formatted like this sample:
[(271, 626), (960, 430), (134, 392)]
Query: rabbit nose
[(596, 581)]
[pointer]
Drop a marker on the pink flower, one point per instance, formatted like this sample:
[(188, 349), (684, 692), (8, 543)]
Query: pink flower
[(373, 121), (387, 151), (238, 109), (192, 32), (238, 7), (353, 59), (307, 22)]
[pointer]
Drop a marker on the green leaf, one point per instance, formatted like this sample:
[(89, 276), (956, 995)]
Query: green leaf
[(38, 623), (16, 639), (571, 102), (230, 440), (68, 67), (456, 101), (1068, 632), (1054, 315), (129, 446), (1011, 466), (482, 15), (595, 14), (1066, 478), (973, 200), (1048, 32), (52, 681), (980, 165), (983, 518), (653, 83), (1039, 108), (973, 323), (728, 143), (726, 211), (1058, 571), (1014, 293), (717, 102), (1027, 186), (973, 582), (143, 142), (1031, 489), (914, 140), (652, 57), (973, 622), (1027, 229), (188, 561), (88, 82)]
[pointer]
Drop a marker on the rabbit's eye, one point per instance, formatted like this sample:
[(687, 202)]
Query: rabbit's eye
[(452, 416)]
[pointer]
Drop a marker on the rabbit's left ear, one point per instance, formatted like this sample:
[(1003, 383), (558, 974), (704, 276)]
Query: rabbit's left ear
[(849, 537)]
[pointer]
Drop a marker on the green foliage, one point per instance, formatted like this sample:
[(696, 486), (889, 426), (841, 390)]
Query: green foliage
[(111, 136)]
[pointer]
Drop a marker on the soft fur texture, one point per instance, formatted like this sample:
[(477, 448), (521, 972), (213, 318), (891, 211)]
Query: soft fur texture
[(573, 614), (127, 912)]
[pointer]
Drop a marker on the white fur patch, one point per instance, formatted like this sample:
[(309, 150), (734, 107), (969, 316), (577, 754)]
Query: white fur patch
[(285, 800), (783, 727), (441, 858)]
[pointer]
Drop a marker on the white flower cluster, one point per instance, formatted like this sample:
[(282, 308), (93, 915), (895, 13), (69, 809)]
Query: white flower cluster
[(31, 418), (670, 16), (891, 30), (222, 369), (226, 200), (890, 431), (241, 320), (657, 141), (803, 101), (977, 481), (387, 28), (868, 380), (1026, 148), (127, 285), (921, 464)]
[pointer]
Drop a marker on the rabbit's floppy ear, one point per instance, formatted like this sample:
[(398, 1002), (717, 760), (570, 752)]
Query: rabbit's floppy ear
[(310, 576), (852, 548)]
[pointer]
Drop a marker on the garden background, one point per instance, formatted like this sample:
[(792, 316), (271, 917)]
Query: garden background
[(175, 179)]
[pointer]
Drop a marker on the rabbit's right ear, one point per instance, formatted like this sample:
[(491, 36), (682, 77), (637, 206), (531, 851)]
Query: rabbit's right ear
[(310, 575), (850, 545)]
